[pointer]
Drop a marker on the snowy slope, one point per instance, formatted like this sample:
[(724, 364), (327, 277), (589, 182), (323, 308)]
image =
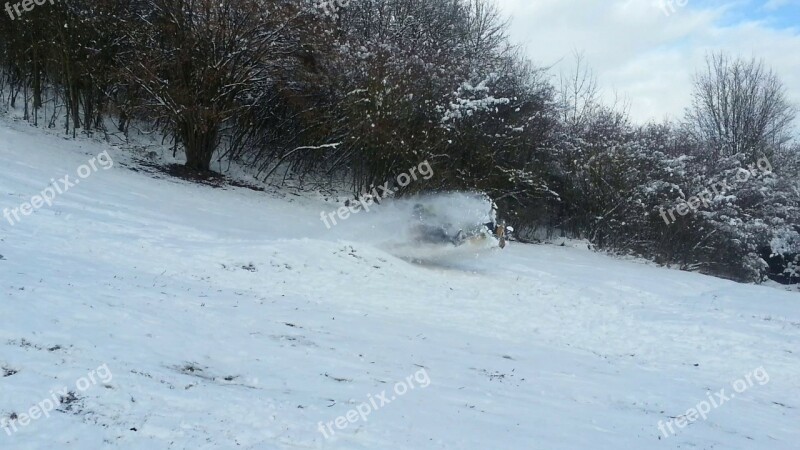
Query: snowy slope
[(234, 319)]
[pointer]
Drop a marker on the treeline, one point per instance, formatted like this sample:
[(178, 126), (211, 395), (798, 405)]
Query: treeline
[(384, 84)]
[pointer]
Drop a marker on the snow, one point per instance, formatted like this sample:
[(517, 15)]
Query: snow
[(231, 318)]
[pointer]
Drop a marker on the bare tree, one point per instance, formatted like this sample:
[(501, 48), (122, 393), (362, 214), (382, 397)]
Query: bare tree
[(578, 94), (200, 64), (739, 107)]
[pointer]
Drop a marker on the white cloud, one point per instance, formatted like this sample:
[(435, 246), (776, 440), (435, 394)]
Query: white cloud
[(640, 52)]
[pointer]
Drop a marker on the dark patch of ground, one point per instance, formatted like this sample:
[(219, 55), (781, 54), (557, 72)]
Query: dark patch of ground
[(206, 177)]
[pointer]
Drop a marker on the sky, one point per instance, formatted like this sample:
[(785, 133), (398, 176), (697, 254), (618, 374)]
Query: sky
[(645, 52)]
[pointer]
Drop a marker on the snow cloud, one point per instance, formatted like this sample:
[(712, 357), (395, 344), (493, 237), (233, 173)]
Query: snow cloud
[(377, 194)]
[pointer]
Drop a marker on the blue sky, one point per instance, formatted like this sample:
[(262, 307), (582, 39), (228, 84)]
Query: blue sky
[(647, 57), (774, 13)]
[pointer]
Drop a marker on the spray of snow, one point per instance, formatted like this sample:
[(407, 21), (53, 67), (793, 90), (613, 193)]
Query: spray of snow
[(391, 226)]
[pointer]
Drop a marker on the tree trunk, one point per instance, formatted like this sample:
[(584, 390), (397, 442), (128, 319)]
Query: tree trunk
[(199, 145)]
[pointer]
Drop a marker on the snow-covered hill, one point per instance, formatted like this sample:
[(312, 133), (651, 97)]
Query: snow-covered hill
[(164, 314)]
